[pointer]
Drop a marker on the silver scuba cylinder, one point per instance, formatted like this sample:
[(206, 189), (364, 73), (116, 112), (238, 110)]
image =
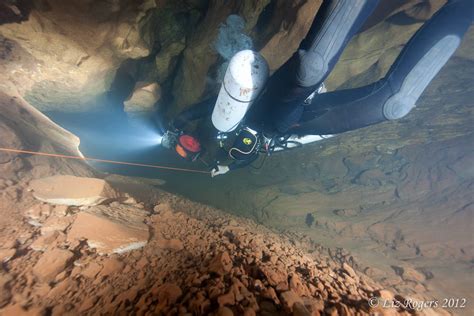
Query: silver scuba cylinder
[(244, 79)]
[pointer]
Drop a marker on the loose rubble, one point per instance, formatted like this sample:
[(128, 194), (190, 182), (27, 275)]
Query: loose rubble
[(176, 258)]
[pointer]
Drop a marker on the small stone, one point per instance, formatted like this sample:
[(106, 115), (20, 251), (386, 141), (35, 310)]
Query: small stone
[(44, 242), (411, 274), (91, 270), (51, 264), (273, 259), (199, 305), (87, 304), (314, 305), (297, 285), (288, 299), (300, 310), (268, 308), (270, 294), (55, 223), (385, 294), (111, 266), (275, 277), (226, 299), (258, 285), (349, 271), (332, 311), (130, 201), (224, 311), (61, 210), (5, 293), (221, 264), (162, 208), (168, 294), (7, 254), (172, 244), (38, 211)]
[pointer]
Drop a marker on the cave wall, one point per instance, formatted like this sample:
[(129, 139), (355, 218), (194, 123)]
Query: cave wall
[(23, 127), (73, 50), (76, 51)]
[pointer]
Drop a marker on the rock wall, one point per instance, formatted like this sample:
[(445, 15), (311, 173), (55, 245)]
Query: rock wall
[(73, 52), (24, 127)]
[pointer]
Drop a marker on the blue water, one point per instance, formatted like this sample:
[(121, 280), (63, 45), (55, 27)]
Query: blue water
[(113, 135)]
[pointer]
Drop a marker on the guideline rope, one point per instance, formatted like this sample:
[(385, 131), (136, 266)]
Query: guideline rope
[(19, 151)]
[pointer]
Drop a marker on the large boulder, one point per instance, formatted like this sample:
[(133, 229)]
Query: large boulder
[(144, 98), (71, 190), (109, 229)]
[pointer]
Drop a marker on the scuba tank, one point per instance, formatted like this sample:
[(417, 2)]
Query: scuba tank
[(244, 79)]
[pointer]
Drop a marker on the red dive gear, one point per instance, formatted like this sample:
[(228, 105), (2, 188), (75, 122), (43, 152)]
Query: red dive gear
[(188, 147)]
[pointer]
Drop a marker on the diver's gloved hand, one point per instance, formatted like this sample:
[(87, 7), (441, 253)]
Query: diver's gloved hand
[(219, 170)]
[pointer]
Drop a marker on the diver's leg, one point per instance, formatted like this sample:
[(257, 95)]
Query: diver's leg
[(334, 25), (394, 96), (424, 56)]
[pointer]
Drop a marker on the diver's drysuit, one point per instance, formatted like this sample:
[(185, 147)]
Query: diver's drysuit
[(392, 97), (283, 107)]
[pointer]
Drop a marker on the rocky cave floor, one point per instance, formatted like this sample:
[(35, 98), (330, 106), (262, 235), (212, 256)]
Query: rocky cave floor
[(192, 259)]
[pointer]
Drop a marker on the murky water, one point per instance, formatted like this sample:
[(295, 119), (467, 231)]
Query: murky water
[(113, 135)]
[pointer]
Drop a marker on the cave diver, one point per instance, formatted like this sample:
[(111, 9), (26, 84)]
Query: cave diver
[(291, 108)]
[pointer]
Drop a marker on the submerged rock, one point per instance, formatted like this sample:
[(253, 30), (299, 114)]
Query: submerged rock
[(111, 230), (6, 254), (71, 190), (51, 264), (221, 264), (144, 98)]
